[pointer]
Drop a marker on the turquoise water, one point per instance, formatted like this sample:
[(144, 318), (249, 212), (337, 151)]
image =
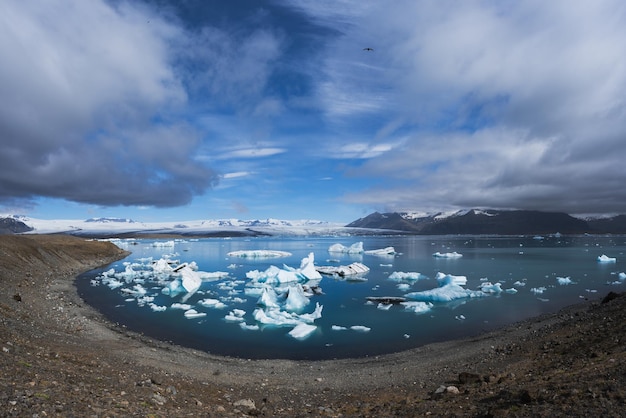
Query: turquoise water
[(520, 263)]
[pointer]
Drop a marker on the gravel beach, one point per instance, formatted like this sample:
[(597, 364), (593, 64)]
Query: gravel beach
[(61, 358)]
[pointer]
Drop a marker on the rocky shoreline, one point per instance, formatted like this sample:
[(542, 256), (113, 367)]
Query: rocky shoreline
[(61, 358)]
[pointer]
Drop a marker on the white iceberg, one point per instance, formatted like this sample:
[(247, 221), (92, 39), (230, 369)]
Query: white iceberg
[(354, 269), (356, 248), (212, 303), (447, 255), (443, 279), (564, 280), (268, 298), (163, 244), (605, 259), (417, 307), (400, 275), (275, 275), (382, 252), (622, 276), (259, 254), (338, 328), (538, 290), (360, 328), (191, 281), (302, 331), (488, 287), (450, 288), (278, 317), (192, 314)]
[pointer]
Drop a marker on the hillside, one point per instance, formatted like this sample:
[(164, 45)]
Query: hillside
[(492, 222)]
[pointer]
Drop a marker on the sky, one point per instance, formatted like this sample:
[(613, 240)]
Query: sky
[(161, 110)]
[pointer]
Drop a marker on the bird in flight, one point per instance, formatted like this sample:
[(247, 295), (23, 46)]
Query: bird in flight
[(368, 49)]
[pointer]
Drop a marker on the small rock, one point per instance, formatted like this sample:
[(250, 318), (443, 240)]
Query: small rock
[(452, 390), (159, 399), (245, 403), (17, 297)]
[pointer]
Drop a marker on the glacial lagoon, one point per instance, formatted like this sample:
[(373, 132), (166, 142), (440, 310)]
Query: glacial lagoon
[(494, 281)]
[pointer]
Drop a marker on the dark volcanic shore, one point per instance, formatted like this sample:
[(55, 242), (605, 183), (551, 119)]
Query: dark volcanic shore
[(61, 358)]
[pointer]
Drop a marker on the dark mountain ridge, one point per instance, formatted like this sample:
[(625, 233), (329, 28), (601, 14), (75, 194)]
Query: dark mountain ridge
[(492, 222)]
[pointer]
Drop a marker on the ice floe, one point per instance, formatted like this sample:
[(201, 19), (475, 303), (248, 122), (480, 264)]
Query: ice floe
[(606, 259), (354, 269), (302, 331), (417, 307), (408, 276), (447, 255), (382, 252), (450, 288), (564, 280), (356, 248)]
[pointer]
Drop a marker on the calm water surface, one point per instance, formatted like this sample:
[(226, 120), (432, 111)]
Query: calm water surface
[(521, 263)]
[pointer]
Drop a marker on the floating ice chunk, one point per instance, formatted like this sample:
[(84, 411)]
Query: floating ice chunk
[(460, 317), (137, 290), (157, 308), (400, 275), (605, 259), (444, 279), (296, 299), (360, 328), (302, 331), (212, 303), (163, 244), (356, 248), (192, 314), (112, 282), (384, 306), (259, 254), (236, 315), (354, 269), (622, 276), (338, 328), (538, 290), (519, 283), (254, 291), (278, 317), (488, 287), (273, 275), (564, 280), (447, 255), (417, 307), (511, 290), (445, 293), (248, 327), (404, 286), (382, 252), (182, 306)]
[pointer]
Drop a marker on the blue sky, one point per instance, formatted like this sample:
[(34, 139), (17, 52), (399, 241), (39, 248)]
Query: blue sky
[(179, 110)]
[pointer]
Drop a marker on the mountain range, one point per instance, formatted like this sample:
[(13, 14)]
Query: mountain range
[(464, 222), (491, 222)]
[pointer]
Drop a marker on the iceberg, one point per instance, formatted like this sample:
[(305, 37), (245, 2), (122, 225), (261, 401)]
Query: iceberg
[(279, 318), (383, 252), (163, 244), (605, 259), (192, 314), (417, 307), (487, 287), (564, 280), (236, 315), (447, 255), (356, 248), (211, 303), (360, 328), (302, 331), (191, 280), (268, 298), (443, 279), (538, 290), (400, 275), (353, 269), (275, 275), (259, 254), (622, 276), (450, 288)]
